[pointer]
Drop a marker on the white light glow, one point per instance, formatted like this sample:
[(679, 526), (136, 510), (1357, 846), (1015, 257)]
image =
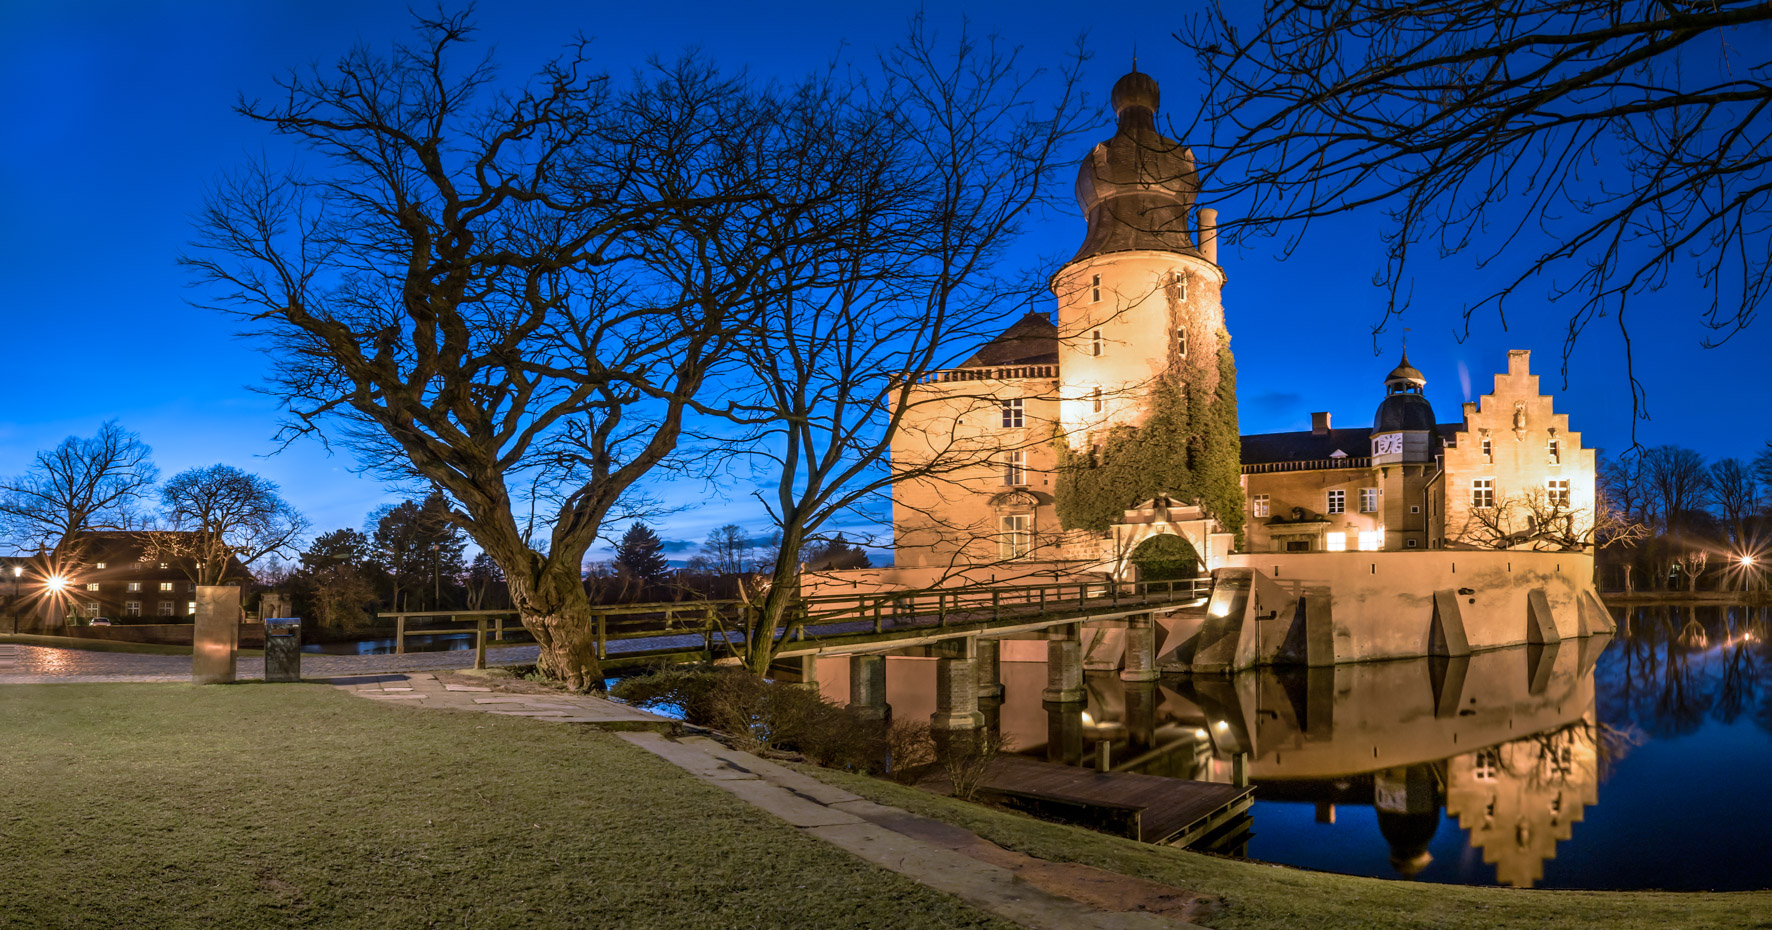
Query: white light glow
[(56, 583), (1221, 726)]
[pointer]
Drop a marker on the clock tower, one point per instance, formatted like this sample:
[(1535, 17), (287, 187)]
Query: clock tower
[(1403, 428)]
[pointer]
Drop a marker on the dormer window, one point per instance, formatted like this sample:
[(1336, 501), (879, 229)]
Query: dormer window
[(1095, 289)]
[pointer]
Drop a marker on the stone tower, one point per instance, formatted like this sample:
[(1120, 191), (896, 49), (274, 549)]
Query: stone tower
[(1141, 297)]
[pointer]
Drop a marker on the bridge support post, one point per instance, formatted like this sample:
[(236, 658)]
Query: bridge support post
[(956, 685), (990, 681), (1141, 649), (867, 686), (1064, 664)]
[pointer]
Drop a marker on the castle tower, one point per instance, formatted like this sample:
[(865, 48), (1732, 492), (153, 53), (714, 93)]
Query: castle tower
[(1141, 298), (1403, 427)]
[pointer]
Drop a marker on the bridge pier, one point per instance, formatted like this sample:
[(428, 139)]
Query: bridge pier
[(990, 681), (956, 685), (867, 686), (1141, 649), (1064, 664), (1064, 733), (1142, 700)]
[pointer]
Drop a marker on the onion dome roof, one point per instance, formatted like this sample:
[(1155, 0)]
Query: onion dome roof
[(1137, 188)]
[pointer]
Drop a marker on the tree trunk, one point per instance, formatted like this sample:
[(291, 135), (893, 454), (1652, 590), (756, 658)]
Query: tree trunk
[(555, 610)]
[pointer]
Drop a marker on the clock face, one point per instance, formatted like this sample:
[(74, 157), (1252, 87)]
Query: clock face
[(1387, 444)]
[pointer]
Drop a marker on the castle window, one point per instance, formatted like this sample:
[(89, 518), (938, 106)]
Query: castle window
[(1177, 286), (1554, 454), (1181, 342), (132, 608), (1337, 502), (1012, 413), (1017, 537), (1096, 345), (1488, 449), (1095, 399), (1258, 505), (1015, 472), (1095, 289), (1335, 542), (1557, 492), (1368, 500), (1483, 493)]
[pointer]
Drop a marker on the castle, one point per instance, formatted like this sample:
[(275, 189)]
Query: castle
[(1105, 441)]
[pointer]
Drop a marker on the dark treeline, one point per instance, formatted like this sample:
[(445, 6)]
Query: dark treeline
[(409, 557), (1679, 523)]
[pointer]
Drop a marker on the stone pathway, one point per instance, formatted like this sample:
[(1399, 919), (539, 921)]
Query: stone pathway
[(423, 688), (45, 664)]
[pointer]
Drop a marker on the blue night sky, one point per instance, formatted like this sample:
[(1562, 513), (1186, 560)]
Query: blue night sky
[(118, 114)]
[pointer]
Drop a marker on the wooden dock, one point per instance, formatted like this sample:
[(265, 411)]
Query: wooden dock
[(1148, 808)]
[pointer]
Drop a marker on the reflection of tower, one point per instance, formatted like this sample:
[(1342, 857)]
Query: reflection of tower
[(1519, 799), (1408, 803)]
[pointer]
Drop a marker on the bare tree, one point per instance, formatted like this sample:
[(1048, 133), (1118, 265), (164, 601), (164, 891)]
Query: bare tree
[(939, 168), (1735, 493), (82, 484), (221, 520), (1602, 144), (1676, 484), (511, 293), (1536, 520)]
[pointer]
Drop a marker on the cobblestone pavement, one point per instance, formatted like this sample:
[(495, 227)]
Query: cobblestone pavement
[(44, 664)]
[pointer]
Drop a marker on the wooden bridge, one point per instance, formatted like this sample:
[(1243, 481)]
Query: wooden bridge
[(636, 635)]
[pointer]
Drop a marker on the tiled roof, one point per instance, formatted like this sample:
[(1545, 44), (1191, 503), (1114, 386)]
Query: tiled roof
[(1266, 448), (1033, 340)]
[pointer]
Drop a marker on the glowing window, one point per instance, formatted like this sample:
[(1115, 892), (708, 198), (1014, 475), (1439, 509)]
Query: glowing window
[(1258, 505), (135, 586), (98, 565), (1557, 492), (1335, 542), (166, 586), (92, 586), (1371, 540)]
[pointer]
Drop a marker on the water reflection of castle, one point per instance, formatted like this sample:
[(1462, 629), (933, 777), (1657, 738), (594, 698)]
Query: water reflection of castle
[(1503, 741)]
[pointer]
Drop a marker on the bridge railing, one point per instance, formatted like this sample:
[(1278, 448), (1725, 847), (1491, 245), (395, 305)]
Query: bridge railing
[(704, 625)]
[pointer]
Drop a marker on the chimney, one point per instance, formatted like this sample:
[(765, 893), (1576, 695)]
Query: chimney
[(1320, 423), (1209, 234)]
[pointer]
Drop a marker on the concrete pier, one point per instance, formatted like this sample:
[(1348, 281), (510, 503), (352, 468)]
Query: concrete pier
[(1141, 650), (867, 686), (956, 685), (1064, 664), (990, 681)]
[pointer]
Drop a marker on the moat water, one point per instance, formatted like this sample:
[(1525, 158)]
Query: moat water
[(1636, 761)]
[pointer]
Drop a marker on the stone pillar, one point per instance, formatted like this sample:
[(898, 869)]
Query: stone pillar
[(808, 668), (1064, 664), (956, 685), (1142, 698), (1141, 649), (216, 639), (867, 686), (990, 681)]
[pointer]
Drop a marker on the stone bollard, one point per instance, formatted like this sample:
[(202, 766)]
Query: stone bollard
[(215, 641)]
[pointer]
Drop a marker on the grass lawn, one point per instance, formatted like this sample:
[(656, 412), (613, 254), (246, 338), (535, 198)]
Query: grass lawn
[(1261, 895), (171, 806)]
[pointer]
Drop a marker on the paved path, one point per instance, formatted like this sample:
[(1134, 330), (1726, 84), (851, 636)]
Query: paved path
[(424, 689), (45, 664), (1031, 892)]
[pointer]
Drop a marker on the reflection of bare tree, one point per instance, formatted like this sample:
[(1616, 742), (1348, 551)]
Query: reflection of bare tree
[(1682, 663)]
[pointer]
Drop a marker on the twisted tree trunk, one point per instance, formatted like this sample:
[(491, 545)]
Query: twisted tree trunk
[(553, 607)]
